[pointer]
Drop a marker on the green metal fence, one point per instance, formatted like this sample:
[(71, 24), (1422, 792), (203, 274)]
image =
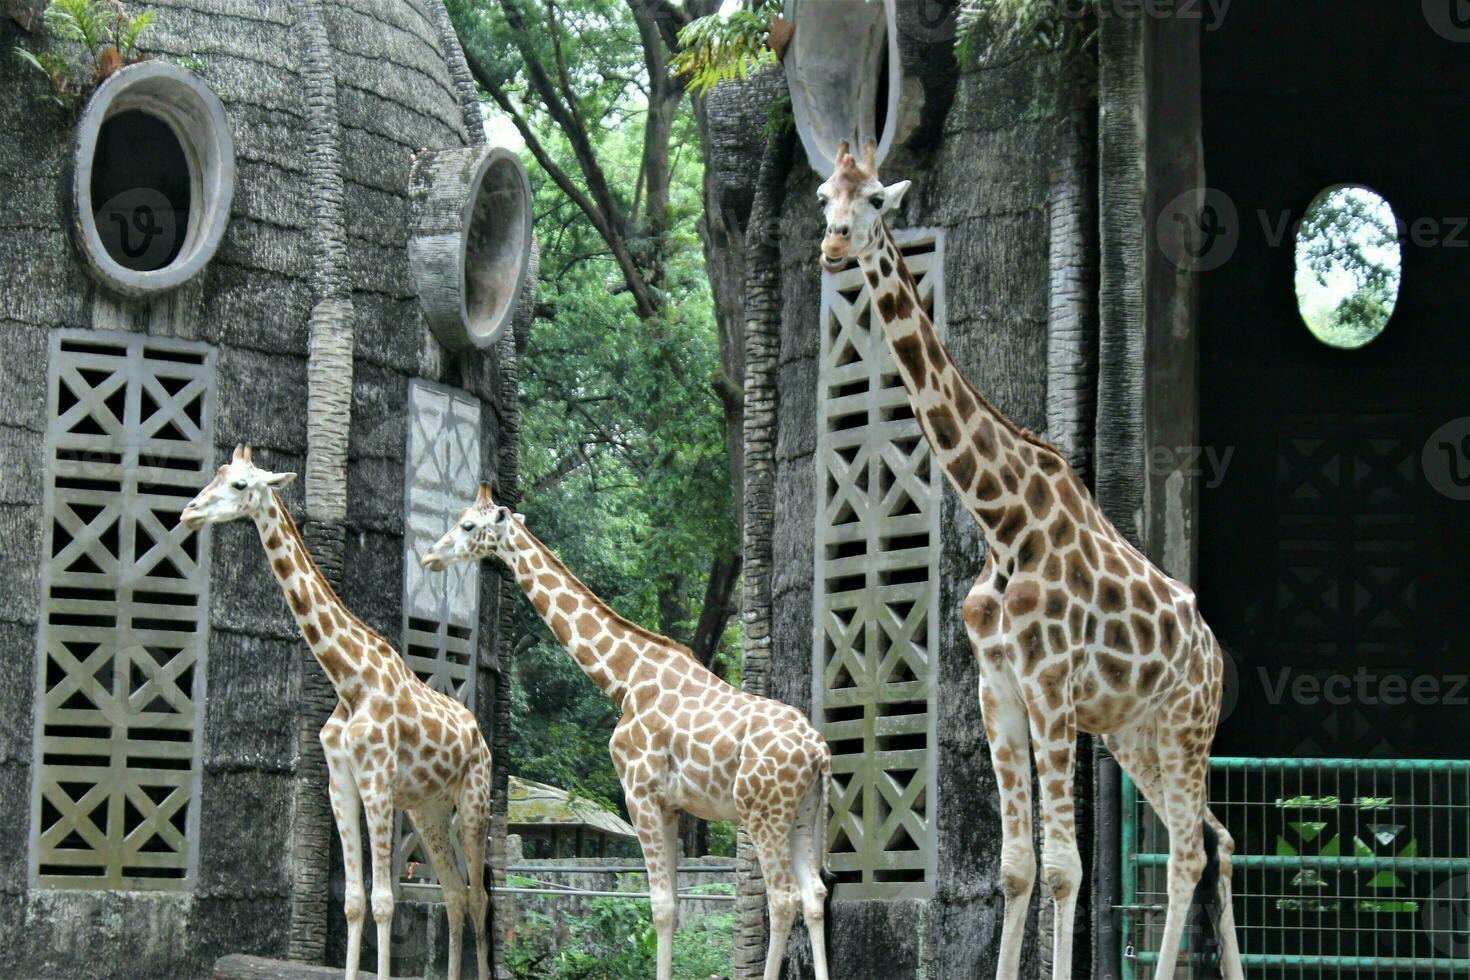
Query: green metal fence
[(1343, 867)]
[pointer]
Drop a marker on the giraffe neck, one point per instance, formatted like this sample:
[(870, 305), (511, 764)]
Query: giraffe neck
[(607, 647), (323, 619), (998, 471)]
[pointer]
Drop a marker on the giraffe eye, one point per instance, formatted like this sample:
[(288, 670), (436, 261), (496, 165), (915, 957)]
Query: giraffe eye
[(877, 201), (239, 484), (468, 525)]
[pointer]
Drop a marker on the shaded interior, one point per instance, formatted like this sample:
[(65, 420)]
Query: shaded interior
[(494, 247), (141, 191)]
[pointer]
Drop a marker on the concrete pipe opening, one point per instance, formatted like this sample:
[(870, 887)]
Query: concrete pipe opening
[(471, 241), (844, 73), (154, 175)]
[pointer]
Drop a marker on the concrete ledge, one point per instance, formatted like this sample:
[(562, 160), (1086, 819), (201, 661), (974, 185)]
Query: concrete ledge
[(238, 966)]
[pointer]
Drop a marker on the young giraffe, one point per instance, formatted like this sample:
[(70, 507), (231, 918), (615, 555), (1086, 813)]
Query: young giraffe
[(1073, 629), (392, 742), (687, 740)]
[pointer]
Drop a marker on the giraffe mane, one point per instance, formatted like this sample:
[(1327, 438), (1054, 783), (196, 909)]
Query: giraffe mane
[(619, 619), (1019, 431), (290, 523)]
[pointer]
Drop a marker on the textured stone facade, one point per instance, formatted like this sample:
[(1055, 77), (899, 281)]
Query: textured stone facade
[(326, 103)]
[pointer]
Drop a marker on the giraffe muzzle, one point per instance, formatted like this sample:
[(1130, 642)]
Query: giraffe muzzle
[(191, 519), (433, 562)]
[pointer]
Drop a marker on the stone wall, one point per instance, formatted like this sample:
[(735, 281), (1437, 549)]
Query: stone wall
[(395, 94)]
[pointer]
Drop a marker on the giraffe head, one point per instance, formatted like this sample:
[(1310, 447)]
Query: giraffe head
[(483, 529), (239, 489), (856, 204)]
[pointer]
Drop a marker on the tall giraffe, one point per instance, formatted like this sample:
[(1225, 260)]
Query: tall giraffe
[(686, 741), (392, 742), (1073, 629)]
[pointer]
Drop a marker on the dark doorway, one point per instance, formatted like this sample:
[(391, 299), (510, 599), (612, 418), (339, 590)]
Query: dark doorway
[(1334, 567)]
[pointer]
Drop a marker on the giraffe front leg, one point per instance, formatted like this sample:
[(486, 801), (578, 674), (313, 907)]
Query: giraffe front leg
[(658, 833), (1006, 731), (342, 788), (377, 804), (1054, 742)]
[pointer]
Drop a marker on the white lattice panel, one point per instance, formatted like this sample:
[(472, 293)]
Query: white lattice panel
[(440, 609), (124, 614), (876, 592)]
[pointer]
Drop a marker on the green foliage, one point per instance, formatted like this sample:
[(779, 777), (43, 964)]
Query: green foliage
[(624, 466), (615, 940), (988, 26), (719, 48), (92, 30), (1348, 267)]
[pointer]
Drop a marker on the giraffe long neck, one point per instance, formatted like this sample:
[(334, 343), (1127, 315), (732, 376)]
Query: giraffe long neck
[(1001, 475), (607, 647), (319, 613)]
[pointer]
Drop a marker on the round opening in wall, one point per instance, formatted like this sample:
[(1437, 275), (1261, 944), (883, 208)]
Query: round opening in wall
[(154, 178), (141, 191), (496, 246), (470, 241), (843, 69), (1349, 266)]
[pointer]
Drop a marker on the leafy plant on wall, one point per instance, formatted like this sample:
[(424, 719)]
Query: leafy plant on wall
[(98, 37)]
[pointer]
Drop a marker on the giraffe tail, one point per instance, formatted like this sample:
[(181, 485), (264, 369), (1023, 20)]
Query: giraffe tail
[(819, 837), (1206, 950)]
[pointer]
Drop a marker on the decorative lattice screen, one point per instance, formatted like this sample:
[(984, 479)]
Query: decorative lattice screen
[(440, 609), (876, 591), (124, 614)]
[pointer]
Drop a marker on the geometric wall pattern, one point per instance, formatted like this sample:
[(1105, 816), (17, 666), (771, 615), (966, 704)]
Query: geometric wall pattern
[(441, 610), (1347, 581), (876, 591), (124, 614)]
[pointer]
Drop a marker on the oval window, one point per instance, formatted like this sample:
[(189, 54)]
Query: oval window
[(1349, 264), (153, 179)]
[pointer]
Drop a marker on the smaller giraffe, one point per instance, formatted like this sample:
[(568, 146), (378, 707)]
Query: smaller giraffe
[(391, 742), (686, 741)]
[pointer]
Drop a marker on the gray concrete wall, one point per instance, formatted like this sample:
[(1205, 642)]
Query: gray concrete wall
[(395, 96)]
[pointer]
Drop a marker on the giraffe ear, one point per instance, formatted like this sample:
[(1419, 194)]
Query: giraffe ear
[(893, 195), (279, 480), (520, 518)]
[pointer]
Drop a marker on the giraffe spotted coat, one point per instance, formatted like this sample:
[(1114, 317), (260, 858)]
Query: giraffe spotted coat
[(391, 742), (686, 739), (1073, 629)]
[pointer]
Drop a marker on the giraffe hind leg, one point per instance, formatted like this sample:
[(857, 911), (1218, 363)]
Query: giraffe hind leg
[(807, 842), (432, 824), (474, 824)]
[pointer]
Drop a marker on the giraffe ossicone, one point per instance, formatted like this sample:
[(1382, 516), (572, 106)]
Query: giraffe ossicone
[(391, 743), (1073, 628), (686, 740)]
